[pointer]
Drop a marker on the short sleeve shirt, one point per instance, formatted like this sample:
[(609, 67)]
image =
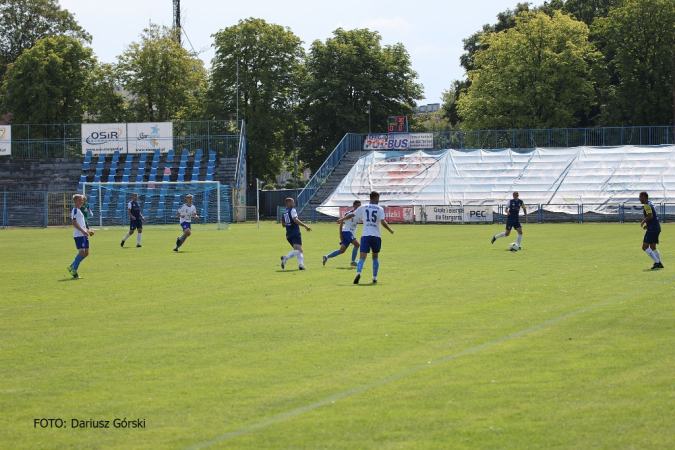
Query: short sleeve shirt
[(372, 215)]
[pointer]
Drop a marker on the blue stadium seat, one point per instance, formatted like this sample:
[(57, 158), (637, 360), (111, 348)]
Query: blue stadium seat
[(155, 157), (212, 156), (125, 177), (99, 172), (153, 173), (198, 154), (169, 156), (87, 160), (116, 156), (104, 212), (130, 159), (97, 178), (127, 171), (113, 165)]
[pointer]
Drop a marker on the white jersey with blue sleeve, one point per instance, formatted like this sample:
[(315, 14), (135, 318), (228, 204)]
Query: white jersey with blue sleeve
[(350, 224), (371, 215), (187, 212), (76, 214)]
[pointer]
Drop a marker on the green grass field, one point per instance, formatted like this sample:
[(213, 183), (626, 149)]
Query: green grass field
[(567, 344)]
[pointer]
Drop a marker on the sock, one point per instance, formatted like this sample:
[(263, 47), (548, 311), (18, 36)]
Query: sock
[(333, 254), (376, 266), (292, 254), (658, 254), (181, 240), (301, 257), (355, 253), (138, 239), (500, 235), (126, 237), (359, 266), (77, 261), (651, 255), (520, 238)]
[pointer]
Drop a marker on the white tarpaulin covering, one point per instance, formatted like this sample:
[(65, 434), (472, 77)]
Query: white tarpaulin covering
[(552, 177)]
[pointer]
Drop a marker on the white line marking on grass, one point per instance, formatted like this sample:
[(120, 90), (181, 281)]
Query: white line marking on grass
[(363, 387)]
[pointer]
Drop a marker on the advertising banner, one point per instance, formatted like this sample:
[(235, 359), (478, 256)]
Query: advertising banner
[(104, 138), (477, 214), (421, 141), (393, 214), (5, 140), (148, 137), (376, 142), (399, 141)]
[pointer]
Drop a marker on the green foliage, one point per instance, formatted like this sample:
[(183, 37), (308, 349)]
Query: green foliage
[(104, 103), (535, 75), (24, 22), (343, 74), (49, 82), (462, 345), (165, 81), (260, 63), (640, 49)]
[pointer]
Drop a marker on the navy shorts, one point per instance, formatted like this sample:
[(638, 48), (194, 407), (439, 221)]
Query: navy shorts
[(369, 243), (512, 223), (294, 240), (186, 225), (82, 242), (347, 238), (651, 237), (134, 224)]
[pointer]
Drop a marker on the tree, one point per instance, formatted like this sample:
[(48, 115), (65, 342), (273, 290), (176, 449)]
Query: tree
[(538, 74), (163, 79), (255, 75), (24, 22), (343, 74), (48, 83), (104, 103), (640, 49)]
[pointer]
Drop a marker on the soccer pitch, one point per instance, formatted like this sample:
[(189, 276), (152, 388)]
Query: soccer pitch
[(568, 343)]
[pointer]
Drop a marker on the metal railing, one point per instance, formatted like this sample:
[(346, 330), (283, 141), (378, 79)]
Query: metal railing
[(65, 140)]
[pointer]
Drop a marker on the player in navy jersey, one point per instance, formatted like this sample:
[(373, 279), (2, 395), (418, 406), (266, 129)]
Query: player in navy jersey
[(81, 235), (512, 219), (372, 216), (347, 232), (136, 220), (292, 223), (653, 227)]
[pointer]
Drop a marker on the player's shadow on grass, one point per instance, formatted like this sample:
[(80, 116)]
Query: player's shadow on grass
[(68, 279), (345, 268)]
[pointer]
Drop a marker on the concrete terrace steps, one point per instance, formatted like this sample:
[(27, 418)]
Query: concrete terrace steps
[(334, 180), (53, 174)]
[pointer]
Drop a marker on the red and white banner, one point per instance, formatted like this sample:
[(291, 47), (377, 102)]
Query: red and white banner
[(393, 214)]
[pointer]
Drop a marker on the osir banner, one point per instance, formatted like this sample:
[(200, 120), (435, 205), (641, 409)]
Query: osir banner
[(148, 137), (5, 140), (104, 138)]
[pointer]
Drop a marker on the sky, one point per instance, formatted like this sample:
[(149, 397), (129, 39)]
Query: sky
[(431, 31)]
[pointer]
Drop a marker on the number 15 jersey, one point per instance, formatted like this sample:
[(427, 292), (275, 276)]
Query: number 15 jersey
[(371, 215)]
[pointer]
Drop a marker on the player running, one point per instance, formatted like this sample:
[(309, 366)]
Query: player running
[(136, 220), (653, 227), (81, 235), (371, 237), (347, 236), (512, 220), (292, 223), (186, 213)]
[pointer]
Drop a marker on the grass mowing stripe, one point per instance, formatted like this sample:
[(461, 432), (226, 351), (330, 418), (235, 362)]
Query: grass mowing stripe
[(363, 387)]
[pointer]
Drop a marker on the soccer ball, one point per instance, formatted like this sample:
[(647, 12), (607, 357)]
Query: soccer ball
[(514, 247)]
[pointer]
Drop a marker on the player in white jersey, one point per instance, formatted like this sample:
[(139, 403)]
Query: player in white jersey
[(347, 236), (81, 235), (372, 216), (186, 213)]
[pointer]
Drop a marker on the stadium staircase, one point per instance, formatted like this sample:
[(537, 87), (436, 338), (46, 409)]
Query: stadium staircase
[(335, 178)]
